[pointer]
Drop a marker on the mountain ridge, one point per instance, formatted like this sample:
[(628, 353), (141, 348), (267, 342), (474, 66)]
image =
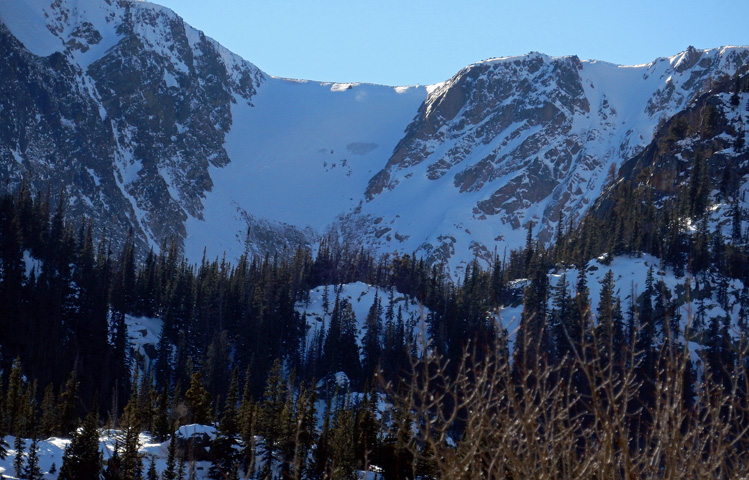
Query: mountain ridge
[(188, 141)]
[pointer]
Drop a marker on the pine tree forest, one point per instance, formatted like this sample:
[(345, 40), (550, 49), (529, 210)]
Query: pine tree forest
[(616, 385)]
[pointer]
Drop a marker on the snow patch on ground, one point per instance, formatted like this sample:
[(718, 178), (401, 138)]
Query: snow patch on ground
[(361, 297), (143, 335)]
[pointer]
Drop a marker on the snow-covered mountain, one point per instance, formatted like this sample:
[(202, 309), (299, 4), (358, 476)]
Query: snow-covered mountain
[(516, 140), (144, 122)]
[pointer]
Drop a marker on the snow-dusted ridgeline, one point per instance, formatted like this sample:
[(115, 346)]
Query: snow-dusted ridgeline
[(450, 171)]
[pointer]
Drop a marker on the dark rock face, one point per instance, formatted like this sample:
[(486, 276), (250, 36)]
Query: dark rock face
[(58, 139), (129, 138), (710, 130), (482, 103)]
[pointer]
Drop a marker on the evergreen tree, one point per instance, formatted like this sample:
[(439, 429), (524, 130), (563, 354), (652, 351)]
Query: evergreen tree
[(371, 344), (736, 221), (113, 469), (529, 252), (198, 401), (700, 259), (223, 447), (181, 468), (164, 361), (28, 425), (4, 427), (699, 186), (366, 429), (18, 445), (321, 455), (619, 341), (82, 459), (333, 348), (645, 369), (559, 320), (32, 470), (270, 421), (248, 422), (152, 474), (161, 425), (342, 444), (397, 459), (130, 462), (48, 424), (533, 338), (66, 407), (605, 316), (287, 441), (132, 459), (743, 318), (305, 430), (325, 300), (14, 399), (349, 354), (170, 472), (582, 312)]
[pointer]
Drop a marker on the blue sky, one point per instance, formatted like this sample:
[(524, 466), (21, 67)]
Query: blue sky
[(408, 42)]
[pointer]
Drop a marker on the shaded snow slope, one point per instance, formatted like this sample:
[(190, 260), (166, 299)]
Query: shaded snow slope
[(51, 451), (300, 155), (630, 274)]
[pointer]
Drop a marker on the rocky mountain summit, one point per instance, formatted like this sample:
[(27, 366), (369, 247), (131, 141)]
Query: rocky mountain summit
[(140, 122)]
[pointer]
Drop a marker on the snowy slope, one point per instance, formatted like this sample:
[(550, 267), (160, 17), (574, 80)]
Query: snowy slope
[(630, 274), (51, 451), (301, 155), (361, 297)]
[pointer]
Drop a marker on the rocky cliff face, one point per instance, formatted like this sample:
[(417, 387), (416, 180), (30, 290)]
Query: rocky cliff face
[(144, 123), (705, 143), (121, 108)]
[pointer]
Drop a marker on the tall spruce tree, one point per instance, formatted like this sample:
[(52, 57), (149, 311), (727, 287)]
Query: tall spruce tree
[(248, 416), (14, 399), (605, 316), (559, 320), (66, 406), (223, 447), (152, 474), (533, 339), (170, 472), (371, 343), (271, 410), (19, 445), (198, 400), (83, 459), (32, 470)]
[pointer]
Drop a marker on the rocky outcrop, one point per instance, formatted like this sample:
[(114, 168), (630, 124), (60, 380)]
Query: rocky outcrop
[(128, 136), (711, 131)]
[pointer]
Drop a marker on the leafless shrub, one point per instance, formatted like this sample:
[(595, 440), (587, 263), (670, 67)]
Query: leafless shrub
[(590, 416)]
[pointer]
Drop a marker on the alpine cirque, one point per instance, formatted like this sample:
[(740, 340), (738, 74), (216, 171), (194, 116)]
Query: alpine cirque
[(141, 122)]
